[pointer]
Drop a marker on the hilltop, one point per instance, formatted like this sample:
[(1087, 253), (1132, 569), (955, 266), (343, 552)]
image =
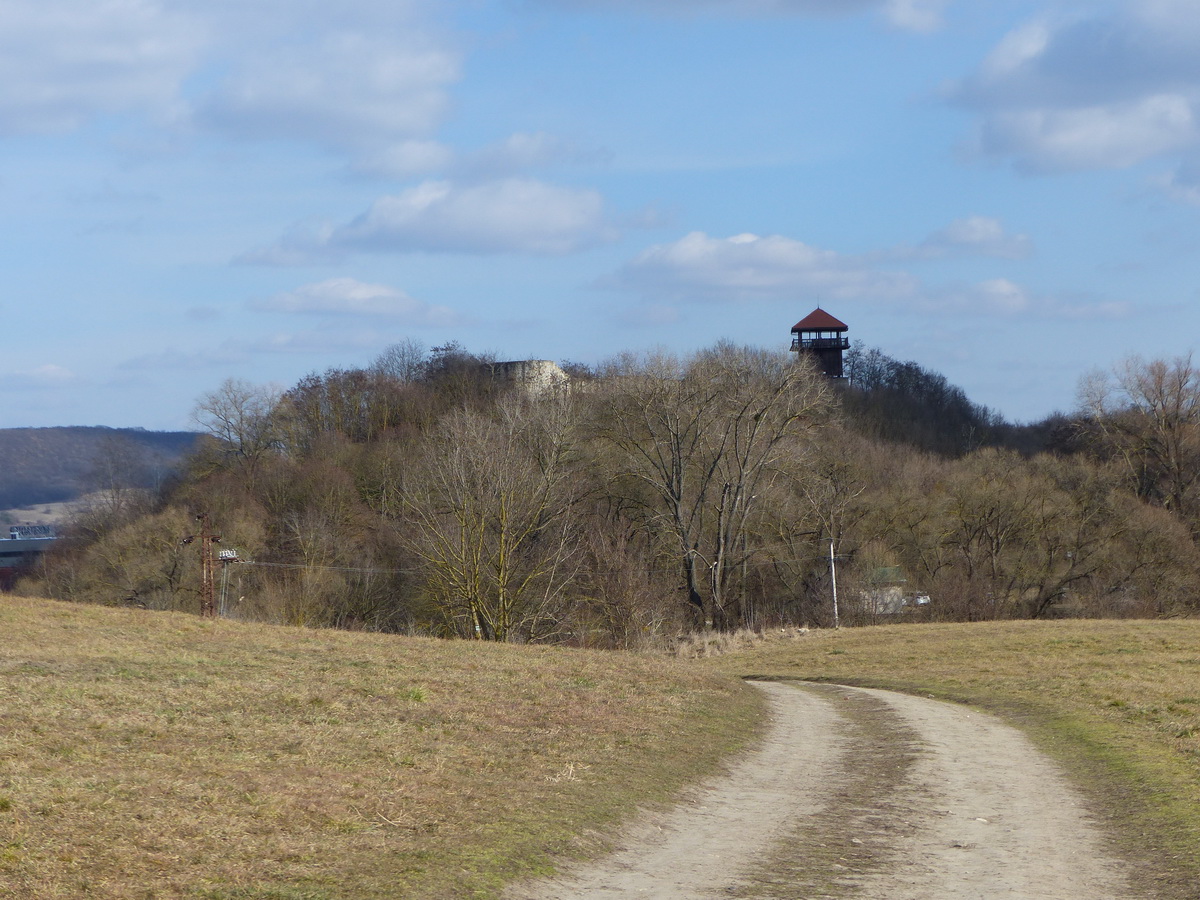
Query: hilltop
[(655, 495)]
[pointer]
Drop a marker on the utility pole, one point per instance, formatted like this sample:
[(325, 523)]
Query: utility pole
[(833, 579), (208, 566), (226, 557)]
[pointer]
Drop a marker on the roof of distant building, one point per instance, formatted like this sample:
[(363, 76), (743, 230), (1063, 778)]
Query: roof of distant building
[(819, 320)]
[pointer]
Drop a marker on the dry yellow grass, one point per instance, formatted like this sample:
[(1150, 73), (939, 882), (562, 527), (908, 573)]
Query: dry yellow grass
[(158, 755), (155, 755), (1118, 702)]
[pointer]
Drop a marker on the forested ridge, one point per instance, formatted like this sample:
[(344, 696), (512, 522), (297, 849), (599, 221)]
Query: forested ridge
[(46, 465), (657, 494)]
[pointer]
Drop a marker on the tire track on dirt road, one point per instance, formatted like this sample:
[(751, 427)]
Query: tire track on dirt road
[(856, 793)]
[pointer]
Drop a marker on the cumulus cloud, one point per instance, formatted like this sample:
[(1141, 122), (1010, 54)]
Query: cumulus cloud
[(1109, 136), (303, 244), (725, 7), (406, 159), (523, 151), (359, 75), (348, 90), (64, 61), (351, 297), (518, 153), (747, 266), (511, 215), (915, 15), (999, 295), (1106, 89), (972, 236)]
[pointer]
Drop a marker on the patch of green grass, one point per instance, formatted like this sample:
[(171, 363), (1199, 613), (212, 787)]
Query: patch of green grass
[(156, 755), (1113, 701)]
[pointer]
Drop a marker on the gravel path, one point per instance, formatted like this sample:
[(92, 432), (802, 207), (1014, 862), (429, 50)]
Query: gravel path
[(870, 795)]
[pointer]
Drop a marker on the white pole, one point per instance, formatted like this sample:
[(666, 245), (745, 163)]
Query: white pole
[(833, 578), (224, 585)]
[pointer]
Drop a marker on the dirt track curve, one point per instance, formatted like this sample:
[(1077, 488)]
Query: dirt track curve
[(869, 795)]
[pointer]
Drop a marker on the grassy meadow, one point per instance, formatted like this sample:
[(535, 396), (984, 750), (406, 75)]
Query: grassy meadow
[(1117, 702), (158, 755)]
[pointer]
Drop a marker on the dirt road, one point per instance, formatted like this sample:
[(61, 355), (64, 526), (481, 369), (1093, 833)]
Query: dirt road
[(870, 795)]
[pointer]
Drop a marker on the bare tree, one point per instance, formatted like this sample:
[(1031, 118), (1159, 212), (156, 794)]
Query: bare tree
[(243, 418), (1146, 414), (488, 507), (406, 361), (697, 440), (818, 506)]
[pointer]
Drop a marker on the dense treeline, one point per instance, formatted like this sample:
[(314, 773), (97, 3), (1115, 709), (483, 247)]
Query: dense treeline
[(656, 494)]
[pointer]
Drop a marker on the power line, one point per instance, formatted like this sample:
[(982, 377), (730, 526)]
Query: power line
[(377, 570)]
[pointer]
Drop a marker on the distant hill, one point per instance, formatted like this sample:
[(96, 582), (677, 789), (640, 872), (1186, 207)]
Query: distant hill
[(46, 465)]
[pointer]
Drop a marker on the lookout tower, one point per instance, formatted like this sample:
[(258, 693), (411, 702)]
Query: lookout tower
[(822, 337)]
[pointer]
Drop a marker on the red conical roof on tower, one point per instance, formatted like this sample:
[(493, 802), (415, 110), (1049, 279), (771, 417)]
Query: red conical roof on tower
[(819, 320)]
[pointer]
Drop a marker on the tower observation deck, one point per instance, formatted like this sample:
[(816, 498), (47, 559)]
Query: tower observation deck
[(823, 337)]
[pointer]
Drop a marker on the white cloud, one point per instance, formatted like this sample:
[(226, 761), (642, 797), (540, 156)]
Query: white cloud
[(747, 266), (524, 151), (1020, 48), (915, 15), (1106, 89), (406, 159), (972, 236), (49, 375), (518, 153), (511, 215), (724, 7), (351, 297), (1110, 136), (349, 90), (304, 244), (64, 61), (361, 76), (1004, 298)]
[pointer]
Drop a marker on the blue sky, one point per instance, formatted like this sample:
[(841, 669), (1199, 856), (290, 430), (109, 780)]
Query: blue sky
[(1006, 192)]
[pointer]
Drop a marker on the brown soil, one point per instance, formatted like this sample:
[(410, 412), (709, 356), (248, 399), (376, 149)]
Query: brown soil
[(865, 794)]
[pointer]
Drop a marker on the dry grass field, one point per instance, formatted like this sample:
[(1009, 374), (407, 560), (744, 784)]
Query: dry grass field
[(157, 755), (1117, 702)]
